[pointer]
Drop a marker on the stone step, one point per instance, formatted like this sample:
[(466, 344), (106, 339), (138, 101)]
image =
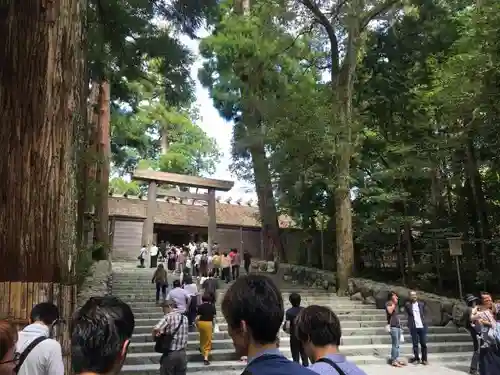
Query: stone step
[(357, 316), (332, 301), (345, 324), (340, 312), (379, 350), (144, 343), (145, 332), (452, 360), (151, 290), (344, 305)]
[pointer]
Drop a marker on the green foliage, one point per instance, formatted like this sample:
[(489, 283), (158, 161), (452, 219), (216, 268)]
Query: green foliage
[(138, 136), (122, 35), (118, 185), (425, 132)]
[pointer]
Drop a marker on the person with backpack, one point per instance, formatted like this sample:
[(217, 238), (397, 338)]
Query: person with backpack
[(160, 278), (296, 346), (318, 329), (171, 339), (39, 353), (254, 311), (142, 256)]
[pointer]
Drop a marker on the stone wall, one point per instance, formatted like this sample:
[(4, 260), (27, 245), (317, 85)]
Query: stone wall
[(97, 283), (441, 311)]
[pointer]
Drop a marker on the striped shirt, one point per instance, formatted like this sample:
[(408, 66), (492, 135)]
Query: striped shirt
[(169, 324)]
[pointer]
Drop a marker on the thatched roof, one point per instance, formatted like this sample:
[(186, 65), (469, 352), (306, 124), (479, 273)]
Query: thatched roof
[(190, 214)]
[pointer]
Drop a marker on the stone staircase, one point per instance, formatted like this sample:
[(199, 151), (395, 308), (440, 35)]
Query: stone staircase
[(364, 339)]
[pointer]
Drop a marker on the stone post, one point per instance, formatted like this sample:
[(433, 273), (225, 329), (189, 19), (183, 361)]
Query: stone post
[(212, 220), (148, 226)]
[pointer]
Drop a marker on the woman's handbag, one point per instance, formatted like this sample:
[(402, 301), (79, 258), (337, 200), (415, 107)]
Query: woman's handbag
[(163, 342)]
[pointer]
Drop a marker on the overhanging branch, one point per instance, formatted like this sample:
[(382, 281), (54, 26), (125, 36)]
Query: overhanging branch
[(377, 11), (330, 31)]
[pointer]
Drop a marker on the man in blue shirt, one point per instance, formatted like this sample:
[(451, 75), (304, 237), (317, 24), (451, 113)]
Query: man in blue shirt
[(318, 328), (253, 308)]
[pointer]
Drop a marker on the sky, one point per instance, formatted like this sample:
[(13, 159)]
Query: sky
[(218, 128)]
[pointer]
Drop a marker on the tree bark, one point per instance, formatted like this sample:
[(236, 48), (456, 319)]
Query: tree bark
[(102, 174), (267, 206), (40, 88)]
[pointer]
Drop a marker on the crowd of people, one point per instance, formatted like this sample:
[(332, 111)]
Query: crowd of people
[(253, 307), (481, 319), (195, 260)]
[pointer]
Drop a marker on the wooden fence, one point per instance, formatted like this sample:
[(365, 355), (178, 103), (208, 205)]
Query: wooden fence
[(18, 298)]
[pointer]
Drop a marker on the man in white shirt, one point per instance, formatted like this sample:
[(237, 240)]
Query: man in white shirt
[(43, 355), (192, 248), (415, 310), (154, 256), (142, 256), (179, 296), (197, 260)]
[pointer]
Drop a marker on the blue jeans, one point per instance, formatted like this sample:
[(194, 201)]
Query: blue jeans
[(395, 341)]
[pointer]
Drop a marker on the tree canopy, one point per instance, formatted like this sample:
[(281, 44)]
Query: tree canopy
[(394, 106)]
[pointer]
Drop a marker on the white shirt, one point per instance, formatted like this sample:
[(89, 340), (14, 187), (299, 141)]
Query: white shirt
[(143, 251), (45, 358), (191, 289), (188, 263), (154, 251), (197, 259), (416, 315)]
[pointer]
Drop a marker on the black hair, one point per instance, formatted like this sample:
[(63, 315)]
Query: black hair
[(207, 297), (256, 300), (295, 299), (176, 283), (390, 295), (188, 279), (318, 324), (45, 312), (98, 332)]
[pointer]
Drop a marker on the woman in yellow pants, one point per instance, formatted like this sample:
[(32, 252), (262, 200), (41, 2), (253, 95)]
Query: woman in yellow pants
[(204, 317)]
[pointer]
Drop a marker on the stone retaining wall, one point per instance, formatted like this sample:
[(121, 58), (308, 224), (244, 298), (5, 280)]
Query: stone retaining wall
[(441, 311), (97, 283)]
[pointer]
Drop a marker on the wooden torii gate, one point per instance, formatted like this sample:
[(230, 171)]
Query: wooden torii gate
[(154, 179)]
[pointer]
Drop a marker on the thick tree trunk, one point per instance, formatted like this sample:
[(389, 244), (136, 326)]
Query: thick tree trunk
[(40, 83), (267, 206), (342, 85), (102, 175), (478, 201)]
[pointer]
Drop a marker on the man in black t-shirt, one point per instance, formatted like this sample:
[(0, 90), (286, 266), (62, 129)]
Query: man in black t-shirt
[(210, 286), (296, 346)]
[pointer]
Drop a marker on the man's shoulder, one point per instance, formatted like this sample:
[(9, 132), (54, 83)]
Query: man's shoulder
[(45, 347), (345, 365), (278, 366)]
